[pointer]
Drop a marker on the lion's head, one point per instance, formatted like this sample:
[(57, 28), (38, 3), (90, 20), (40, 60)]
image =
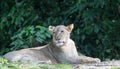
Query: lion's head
[(61, 34)]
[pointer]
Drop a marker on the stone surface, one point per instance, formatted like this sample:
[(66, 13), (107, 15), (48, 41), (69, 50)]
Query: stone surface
[(101, 65)]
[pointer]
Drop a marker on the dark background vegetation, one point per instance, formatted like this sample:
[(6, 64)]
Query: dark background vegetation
[(23, 24)]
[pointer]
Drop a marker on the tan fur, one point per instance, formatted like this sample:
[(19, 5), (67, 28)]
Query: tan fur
[(61, 50)]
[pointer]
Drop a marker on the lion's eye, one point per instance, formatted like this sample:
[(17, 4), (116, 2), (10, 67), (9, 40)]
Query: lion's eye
[(53, 32), (62, 31)]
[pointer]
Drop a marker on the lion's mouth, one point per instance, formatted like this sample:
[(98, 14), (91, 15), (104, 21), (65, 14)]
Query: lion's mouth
[(60, 43)]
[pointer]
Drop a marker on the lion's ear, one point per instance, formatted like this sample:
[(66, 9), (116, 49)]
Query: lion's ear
[(51, 28), (70, 27)]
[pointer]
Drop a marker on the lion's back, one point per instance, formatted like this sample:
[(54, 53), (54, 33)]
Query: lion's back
[(30, 54)]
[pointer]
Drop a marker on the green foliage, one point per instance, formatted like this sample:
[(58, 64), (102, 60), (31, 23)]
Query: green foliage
[(29, 37), (15, 16), (3, 63), (96, 31)]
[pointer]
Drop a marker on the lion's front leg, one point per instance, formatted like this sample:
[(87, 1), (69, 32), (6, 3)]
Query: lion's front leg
[(84, 59)]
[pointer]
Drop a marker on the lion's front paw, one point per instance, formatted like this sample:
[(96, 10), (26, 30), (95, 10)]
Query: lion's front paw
[(96, 60)]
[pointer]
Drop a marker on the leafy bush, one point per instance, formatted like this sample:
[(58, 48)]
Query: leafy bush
[(30, 36), (15, 16)]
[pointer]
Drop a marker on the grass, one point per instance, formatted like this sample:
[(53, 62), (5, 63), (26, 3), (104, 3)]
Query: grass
[(4, 64)]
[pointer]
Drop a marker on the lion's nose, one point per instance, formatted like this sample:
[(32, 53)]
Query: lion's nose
[(58, 39)]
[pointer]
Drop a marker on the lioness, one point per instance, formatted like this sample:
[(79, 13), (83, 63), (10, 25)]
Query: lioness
[(61, 50)]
